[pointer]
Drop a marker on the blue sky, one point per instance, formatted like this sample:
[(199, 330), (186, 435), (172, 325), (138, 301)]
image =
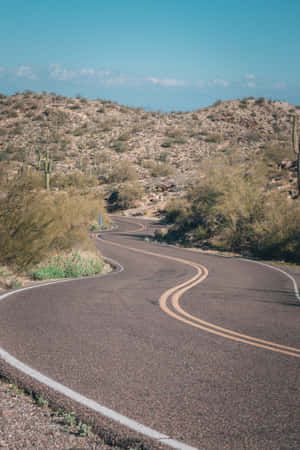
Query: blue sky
[(167, 55)]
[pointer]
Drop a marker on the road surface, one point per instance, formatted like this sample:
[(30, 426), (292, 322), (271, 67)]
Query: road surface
[(201, 348)]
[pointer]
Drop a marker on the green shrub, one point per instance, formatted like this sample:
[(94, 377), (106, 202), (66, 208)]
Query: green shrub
[(68, 266)]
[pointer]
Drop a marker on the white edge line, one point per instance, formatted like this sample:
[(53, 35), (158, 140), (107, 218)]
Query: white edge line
[(279, 270), (75, 396), (109, 413)]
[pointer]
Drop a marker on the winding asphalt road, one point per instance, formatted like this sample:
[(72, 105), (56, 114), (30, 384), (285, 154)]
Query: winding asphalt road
[(201, 348)]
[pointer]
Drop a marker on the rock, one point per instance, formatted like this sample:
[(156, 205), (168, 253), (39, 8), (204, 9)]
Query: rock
[(287, 164)]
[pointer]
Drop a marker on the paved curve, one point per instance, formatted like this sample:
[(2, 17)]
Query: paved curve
[(108, 339)]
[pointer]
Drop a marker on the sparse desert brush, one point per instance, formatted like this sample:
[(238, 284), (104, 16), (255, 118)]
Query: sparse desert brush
[(167, 144), (34, 223), (28, 178), (278, 234), (177, 135), (217, 102), (120, 146), (75, 179), (158, 168), (175, 210), (276, 152), (125, 196), (260, 101), (216, 138), (107, 125), (163, 157), (231, 207), (121, 172)]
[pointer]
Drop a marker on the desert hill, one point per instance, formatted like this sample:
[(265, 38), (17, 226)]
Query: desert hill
[(109, 143)]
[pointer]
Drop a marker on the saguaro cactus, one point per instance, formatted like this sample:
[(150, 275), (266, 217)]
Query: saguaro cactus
[(47, 163), (296, 149), (39, 159)]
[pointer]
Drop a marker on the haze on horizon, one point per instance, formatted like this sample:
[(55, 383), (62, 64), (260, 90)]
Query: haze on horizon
[(160, 55)]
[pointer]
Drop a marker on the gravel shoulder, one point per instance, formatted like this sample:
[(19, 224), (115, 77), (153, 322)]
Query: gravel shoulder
[(24, 424)]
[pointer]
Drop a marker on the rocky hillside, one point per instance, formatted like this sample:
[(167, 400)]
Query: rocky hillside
[(101, 138)]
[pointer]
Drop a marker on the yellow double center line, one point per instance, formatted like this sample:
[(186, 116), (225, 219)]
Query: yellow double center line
[(172, 296)]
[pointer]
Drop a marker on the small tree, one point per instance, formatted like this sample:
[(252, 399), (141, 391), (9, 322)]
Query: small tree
[(296, 149)]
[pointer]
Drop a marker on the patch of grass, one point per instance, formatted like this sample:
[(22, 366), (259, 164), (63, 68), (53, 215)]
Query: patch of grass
[(42, 402), (72, 424), (14, 283), (68, 266)]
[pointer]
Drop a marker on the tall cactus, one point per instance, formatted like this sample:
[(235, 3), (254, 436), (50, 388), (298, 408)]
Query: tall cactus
[(296, 149), (39, 159), (47, 163)]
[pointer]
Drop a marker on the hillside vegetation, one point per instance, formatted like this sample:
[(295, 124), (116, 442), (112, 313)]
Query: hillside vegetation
[(224, 176), (233, 207)]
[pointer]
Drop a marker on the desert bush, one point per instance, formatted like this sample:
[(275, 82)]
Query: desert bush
[(277, 236), (124, 137), (3, 131), (217, 102), (253, 136), (34, 224), (230, 208), (107, 125), (163, 157), (260, 101), (80, 131), (177, 135), (275, 153), (175, 211), (75, 179), (126, 196), (120, 146), (158, 168), (214, 137), (5, 156), (239, 209), (122, 172), (166, 144)]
